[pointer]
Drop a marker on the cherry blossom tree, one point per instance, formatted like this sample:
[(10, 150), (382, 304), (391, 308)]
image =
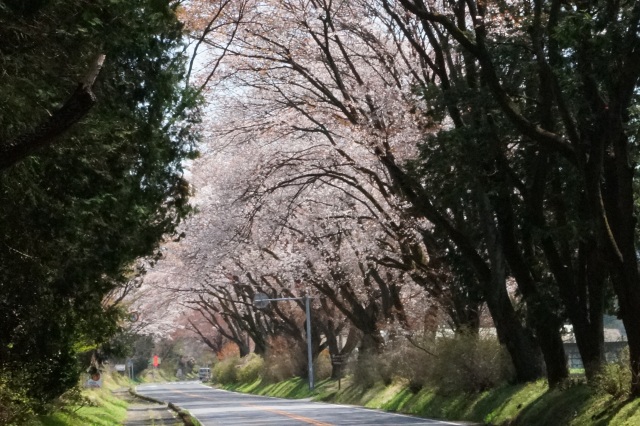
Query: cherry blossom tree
[(308, 69), (366, 148)]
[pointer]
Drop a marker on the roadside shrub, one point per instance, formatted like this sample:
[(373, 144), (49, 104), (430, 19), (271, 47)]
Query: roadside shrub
[(15, 406), (284, 359), (322, 366), (73, 397), (414, 361), (465, 363), (469, 363), (371, 368), (250, 368), (615, 378), (362, 372), (225, 372)]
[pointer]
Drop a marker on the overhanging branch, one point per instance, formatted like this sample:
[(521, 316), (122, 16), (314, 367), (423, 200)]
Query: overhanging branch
[(73, 110)]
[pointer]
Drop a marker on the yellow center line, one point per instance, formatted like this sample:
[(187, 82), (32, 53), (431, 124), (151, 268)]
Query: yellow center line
[(272, 410), (291, 416)]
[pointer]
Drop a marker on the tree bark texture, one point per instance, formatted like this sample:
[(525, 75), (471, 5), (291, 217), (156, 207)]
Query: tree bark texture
[(525, 352)]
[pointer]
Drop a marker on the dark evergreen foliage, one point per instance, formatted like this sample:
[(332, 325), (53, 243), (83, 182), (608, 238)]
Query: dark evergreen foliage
[(75, 215)]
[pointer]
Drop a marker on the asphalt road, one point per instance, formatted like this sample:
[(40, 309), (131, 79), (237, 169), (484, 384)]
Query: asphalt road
[(218, 407)]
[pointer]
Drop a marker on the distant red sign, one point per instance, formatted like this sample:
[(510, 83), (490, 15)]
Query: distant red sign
[(155, 361)]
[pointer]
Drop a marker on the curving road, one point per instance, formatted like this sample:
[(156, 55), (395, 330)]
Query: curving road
[(218, 407)]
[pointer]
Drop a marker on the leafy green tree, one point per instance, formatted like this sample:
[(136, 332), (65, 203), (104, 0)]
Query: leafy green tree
[(78, 213)]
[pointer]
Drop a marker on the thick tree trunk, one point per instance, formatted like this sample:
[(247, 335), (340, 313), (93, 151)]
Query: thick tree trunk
[(631, 319), (581, 289), (543, 313), (371, 343), (550, 341), (259, 350), (590, 341), (628, 290), (73, 110), (525, 353), (583, 296), (627, 286), (243, 348), (522, 347), (617, 226)]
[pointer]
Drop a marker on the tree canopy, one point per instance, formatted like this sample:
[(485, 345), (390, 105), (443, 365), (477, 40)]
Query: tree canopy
[(493, 144), (80, 210)]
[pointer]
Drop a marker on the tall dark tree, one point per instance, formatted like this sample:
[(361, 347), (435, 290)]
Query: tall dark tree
[(76, 214), (584, 60)]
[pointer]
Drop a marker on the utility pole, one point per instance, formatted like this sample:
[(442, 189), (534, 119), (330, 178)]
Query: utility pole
[(261, 301), (309, 352)]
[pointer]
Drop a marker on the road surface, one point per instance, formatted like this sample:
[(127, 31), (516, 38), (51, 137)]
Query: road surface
[(218, 407)]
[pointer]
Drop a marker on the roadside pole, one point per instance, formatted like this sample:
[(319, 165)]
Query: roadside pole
[(261, 301), (309, 351)]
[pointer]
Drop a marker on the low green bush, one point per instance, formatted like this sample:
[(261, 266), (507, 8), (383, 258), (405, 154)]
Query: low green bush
[(370, 368), (615, 379), (469, 363), (414, 361), (250, 369), (15, 406), (464, 363), (225, 372)]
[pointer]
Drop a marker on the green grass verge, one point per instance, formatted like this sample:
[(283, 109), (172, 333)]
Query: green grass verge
[(101, 408), (530, 404), (108, 411)]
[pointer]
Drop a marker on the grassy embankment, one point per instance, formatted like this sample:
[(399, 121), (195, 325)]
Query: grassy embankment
[(532, 404), (99, 407)]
